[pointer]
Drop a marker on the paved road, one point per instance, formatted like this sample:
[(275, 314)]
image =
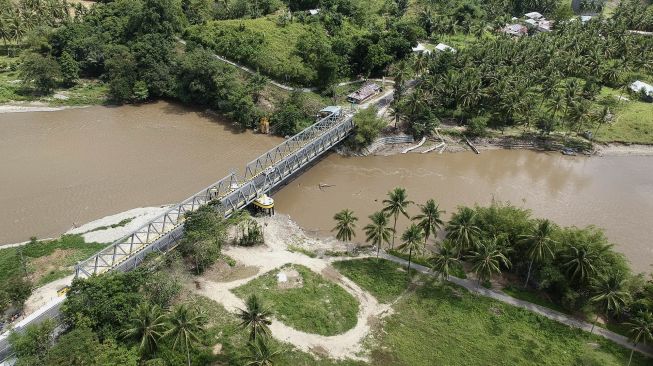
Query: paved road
[(544, 311)]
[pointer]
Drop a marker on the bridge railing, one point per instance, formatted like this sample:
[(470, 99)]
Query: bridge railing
[(281, 151), (232, 192)]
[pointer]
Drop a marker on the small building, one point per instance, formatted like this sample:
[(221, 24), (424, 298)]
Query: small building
[(314, 11), (642, 87), (444, 48), (421, 49), (366, 92), (516, 30), (534, 15), (532, 22), (585, 18), (544, 25)]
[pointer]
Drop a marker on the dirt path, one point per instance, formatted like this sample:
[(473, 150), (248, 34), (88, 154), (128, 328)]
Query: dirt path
[(541, 310), (280, 232)]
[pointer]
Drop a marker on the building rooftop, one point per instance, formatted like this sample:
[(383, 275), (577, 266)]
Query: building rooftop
[(364, 93), (515, 29), (533, 15), (443, 47), (639, 85)]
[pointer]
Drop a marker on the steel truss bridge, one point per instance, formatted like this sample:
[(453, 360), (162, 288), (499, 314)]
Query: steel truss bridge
[(229, 194)]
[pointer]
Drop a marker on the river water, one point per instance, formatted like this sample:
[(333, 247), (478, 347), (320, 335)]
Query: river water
[(78, 165), (615, 193)]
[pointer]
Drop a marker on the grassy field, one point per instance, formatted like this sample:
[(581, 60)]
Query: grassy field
[(46, 261), (632, 124), (259, 43), (382, 278), (224, 329), (86, 92), (445, 324), (319, 306)]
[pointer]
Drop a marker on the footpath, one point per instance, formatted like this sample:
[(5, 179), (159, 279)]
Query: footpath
[(472, 286)]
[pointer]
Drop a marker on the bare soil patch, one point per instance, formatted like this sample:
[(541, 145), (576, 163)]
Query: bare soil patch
[(223, 272), (46, 264)]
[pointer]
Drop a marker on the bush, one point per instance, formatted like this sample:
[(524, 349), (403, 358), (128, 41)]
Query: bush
[(368, 127), (205, 233), (39, 73), (477, 127)]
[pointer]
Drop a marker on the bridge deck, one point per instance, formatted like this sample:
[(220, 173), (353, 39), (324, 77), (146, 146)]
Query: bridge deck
[(231, 193)]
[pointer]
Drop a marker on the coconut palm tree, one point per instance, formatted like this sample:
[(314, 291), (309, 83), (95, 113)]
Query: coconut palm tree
[(579, 262), (147, 326), (487, 260), (429, 219), (396, 203), (260, 353), (412, 242), (185, 327), (609, 294), (539, 244), (445, 260), (378, 232), (256, 318), (462, 229), (345, 225), (641, 330)]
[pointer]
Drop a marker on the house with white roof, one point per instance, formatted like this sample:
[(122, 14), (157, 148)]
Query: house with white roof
[(444, 48), (534, 15), (421, 49), (639, 86)]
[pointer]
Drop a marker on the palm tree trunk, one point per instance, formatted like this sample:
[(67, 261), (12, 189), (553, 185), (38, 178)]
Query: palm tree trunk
[(394, 232), (594, 324), (528, 276), (630, 359), (410, 256), (378, 249), (188, 353)]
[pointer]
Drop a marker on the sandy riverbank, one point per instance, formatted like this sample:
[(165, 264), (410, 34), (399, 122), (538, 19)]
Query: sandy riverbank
[(33, 107)]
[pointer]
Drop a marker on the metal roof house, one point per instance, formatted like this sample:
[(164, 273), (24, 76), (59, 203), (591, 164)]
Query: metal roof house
[(534, 15), (421, 49), (517, 30), (366, 92), (444, 48), (639, 86)]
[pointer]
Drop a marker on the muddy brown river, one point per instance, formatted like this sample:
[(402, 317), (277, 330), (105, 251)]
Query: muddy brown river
[(615, 193), (78, 165)]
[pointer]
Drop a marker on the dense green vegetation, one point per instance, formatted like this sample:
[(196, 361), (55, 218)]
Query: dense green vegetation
[(433, 323), (37, 263), (573, 269), (317, 306)]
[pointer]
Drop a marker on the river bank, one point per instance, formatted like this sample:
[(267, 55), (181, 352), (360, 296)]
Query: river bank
[(456, 144)]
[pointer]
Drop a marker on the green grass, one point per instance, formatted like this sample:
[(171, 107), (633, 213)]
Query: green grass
[(533, 297), (319, 306), (85, 92), (632, 122), (423, 260), (298, 249), (10, 258), (443, 324), (259, 43), (385, 280), (224, 329)]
